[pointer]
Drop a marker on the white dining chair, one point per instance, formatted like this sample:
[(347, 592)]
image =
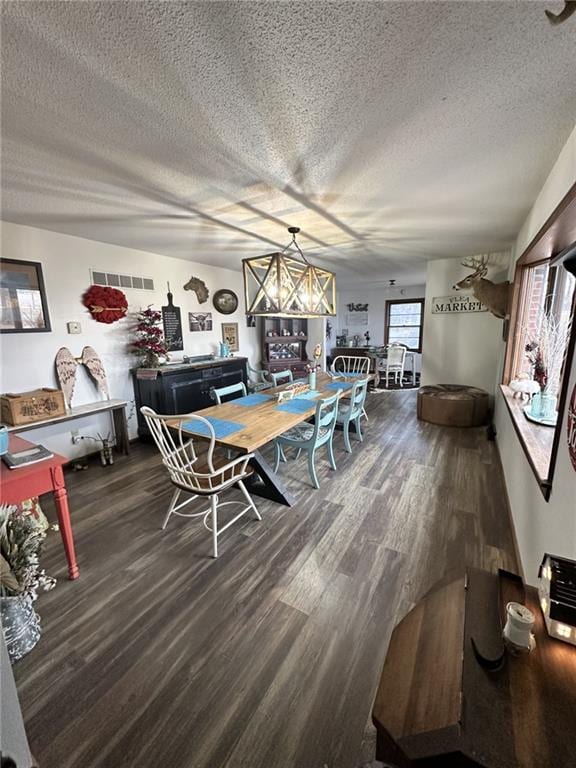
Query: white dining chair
[(351, 365), (393, 365), (204, 475)]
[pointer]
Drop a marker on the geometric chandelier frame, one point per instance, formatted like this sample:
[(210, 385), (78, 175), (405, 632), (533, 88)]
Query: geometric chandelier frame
[(283, 285)]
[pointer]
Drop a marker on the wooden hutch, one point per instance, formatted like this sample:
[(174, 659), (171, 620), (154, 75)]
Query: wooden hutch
[(284, 342)]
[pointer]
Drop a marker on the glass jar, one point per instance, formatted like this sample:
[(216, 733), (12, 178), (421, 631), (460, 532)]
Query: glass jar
[(4, 439)]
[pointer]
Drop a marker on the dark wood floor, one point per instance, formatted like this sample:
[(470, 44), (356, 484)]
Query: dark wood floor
[(269, 656)]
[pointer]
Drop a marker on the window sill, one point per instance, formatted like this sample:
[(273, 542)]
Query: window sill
[(536, 440)]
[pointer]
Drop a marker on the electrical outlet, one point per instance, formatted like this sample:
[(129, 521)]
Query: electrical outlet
[(74, 327), (75, 436)]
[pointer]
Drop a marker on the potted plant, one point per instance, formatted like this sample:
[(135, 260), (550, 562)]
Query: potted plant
[(149, 342), (22, 531)]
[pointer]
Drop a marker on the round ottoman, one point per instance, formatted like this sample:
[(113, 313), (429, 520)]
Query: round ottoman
[(454, 405)]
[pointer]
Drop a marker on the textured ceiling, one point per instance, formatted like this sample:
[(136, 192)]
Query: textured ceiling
[(390, 132)]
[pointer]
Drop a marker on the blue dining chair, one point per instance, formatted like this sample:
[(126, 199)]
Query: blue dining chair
[(351, 365), (351, 412), (310, 437), (239, 388), (279, 375), (257, 380)]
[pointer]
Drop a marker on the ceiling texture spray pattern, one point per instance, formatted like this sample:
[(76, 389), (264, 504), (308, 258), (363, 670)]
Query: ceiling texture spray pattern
[(390, 132)]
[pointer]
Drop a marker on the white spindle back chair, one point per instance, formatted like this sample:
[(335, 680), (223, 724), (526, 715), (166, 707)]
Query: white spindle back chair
[(189, 475), (350, 364), (394, 363)]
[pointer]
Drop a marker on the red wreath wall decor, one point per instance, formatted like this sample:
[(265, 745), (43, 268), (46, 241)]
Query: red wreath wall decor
[(106, 305)]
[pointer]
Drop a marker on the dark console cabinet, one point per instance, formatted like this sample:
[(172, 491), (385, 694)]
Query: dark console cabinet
[(183, 388)]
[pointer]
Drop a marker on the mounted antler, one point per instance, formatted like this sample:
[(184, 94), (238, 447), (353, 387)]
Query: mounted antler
[(478, 264)]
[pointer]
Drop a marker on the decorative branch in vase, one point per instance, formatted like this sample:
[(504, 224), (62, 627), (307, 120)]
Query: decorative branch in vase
[(545, 352), (149, 342)]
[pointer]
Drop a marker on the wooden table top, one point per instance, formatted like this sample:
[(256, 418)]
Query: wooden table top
[(435, 699), (264, 422)]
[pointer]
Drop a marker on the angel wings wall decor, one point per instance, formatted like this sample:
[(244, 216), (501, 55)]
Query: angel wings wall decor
[(66, 365)]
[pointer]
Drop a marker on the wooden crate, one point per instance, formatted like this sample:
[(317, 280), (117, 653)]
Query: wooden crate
[(27, 407)]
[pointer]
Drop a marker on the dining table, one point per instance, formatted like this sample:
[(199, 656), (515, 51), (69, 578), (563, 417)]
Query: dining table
[(247, 424)]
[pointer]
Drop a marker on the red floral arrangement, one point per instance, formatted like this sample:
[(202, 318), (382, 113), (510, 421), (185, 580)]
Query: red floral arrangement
[(150, 338), (106, 305), (534, 355)]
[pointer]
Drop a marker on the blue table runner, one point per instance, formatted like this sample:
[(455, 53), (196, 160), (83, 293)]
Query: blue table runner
[(297, 405), (222, 427), (339, 385), (307, 395), (249, 400)]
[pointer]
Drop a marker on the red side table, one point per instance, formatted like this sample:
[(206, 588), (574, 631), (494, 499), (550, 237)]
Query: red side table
[(46, 476)]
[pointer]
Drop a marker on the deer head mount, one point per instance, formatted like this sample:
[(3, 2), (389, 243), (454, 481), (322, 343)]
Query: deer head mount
[(495, 296), (199, 288)]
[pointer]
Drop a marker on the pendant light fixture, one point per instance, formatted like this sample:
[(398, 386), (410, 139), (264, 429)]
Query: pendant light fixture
[(285, 284)]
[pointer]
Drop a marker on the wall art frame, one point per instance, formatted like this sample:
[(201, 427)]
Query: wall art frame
[(230, 336)]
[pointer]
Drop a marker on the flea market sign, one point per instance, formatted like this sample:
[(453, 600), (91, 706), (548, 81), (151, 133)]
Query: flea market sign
[(444, 305)]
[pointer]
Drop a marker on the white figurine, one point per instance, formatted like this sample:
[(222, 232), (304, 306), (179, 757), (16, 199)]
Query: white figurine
[(524, 388)]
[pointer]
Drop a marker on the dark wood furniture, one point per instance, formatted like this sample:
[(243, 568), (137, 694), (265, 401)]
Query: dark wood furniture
[(116, 408), (437, 705), (284, 342), (183, 388), (46, 476)]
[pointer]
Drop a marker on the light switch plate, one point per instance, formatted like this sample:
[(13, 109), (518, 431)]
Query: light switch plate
[(74, 327)]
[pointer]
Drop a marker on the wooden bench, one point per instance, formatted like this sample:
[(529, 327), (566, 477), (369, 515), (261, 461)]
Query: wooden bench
[(117, 408)]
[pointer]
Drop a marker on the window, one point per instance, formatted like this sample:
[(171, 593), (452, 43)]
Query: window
[(544, 290), (404, 318), (540, 290)]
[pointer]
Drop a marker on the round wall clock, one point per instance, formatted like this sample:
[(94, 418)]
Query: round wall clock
[(225, 301)]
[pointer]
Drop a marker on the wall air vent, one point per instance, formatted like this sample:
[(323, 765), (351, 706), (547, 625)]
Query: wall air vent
[(115, 280)]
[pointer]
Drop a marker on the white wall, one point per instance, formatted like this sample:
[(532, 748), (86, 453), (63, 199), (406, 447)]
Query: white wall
[(541, 527), (376, 299), (28, 359), (460, 348)]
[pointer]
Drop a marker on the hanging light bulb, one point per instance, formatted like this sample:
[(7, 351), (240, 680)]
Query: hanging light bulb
[(285, 285)]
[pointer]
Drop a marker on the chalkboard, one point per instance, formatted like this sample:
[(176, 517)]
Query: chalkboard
[(172, 322)]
